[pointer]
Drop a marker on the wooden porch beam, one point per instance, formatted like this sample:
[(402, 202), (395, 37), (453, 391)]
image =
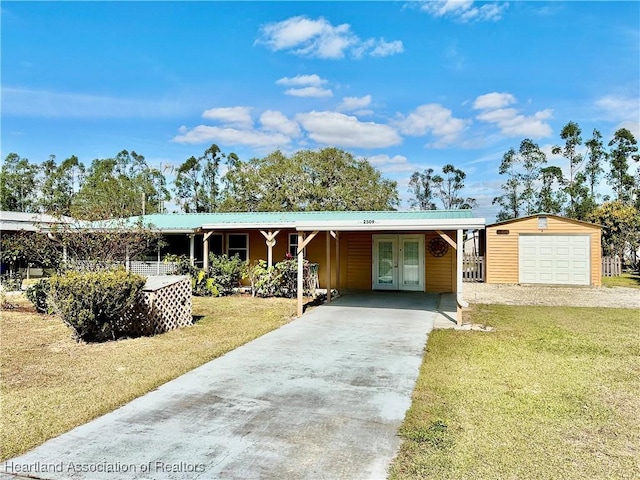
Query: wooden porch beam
[(447, 239)]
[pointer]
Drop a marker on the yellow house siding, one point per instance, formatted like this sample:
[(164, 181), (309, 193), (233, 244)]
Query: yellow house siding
[(358, 260), (440, 272), (502, 252)]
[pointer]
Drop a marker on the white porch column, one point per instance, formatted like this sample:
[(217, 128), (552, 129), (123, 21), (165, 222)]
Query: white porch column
[(205, 250), (300, 272), (192, 249), (328, 273), (460, 303), (270, 239), (302, 244), (337, 237)]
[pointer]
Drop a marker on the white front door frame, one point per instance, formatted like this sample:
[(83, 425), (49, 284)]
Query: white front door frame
[(399, 272)]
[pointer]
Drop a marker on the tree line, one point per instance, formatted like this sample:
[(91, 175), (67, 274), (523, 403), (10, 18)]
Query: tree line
[(126, 185)]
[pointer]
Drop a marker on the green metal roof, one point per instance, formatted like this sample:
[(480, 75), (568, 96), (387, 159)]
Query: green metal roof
[(194, 221)]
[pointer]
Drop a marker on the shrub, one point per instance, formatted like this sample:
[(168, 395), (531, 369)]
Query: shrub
[(38, 295), (279, 280), (11, 282), (226, 272), (222, 276), (98, 306), (183, 265)]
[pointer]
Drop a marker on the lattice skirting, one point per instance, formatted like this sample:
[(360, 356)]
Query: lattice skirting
[(161, 310)]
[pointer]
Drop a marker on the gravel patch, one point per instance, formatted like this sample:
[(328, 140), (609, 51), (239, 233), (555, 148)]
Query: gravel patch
[(615, 297)]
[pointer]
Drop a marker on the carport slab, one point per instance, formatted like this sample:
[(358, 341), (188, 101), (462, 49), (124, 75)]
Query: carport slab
[(321, 397)]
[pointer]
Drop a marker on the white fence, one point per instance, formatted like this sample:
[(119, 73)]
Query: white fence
[(473, 268), (611, 266), (151, 268)]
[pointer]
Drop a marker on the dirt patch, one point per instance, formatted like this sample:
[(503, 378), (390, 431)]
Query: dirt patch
[(616, 297)]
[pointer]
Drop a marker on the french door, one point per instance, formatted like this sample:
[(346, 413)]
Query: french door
[(398, 262)]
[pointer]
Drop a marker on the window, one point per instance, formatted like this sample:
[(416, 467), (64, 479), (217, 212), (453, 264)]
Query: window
[(293, 245), (238, 244), (215, 244)]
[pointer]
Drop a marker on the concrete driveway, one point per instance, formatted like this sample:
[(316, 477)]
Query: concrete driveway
[(321, 397)]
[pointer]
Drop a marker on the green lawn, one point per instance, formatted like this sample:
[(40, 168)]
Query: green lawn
[(625, 280), (553, 393), (51, 384)]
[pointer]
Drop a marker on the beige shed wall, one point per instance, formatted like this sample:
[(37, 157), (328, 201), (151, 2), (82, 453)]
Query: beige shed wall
[(502, 251)]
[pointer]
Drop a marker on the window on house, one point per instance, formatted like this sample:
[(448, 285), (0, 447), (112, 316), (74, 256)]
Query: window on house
[(215, 244), (293, 245), (238, 244)]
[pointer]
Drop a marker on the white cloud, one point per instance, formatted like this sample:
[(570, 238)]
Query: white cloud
[(493, 100), (340, 130), (513, 124), (395, 164), (433, 119), (231, 136), (464, 10), (319, 38), (302, 81), (232, 116), (350, 104), (317, 92), (274, 121), (622, 109), (509, 120), (385, 49)]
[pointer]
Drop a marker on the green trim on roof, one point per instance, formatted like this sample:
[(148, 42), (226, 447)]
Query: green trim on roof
[(193, 221)]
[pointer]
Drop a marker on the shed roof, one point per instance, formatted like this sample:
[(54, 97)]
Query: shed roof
[(537, 215)]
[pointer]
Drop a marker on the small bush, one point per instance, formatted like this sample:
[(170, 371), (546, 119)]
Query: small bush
[(98, 306), (223, 275), (11, 282), (279, 280), (226, 272), (38, 295)]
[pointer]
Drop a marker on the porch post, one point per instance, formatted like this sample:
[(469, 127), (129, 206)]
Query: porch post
[(328, 266), (158, 262), (300, 271), (192, 249), (270, 239), (460, 303), (338, 261), (205, 250)]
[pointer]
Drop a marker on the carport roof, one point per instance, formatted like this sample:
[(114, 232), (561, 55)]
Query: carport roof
[(422, 219)]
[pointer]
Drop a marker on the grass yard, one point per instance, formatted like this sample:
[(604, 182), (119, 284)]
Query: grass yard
[(553, 393), (51, 384), (625, 280)]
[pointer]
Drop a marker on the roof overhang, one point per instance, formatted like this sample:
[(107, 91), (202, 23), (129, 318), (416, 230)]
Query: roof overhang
[(365, 224), (249, 226), (362, 224)]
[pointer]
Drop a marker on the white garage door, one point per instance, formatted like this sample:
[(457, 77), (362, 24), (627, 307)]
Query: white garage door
[(554, 259)]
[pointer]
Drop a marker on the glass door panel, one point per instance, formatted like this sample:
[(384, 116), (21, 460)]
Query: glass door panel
[(385, 264), (411, 262)]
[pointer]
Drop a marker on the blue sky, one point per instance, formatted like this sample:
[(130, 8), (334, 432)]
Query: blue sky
[(408, 85)]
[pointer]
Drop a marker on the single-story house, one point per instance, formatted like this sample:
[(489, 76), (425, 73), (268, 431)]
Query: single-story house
[(544, 249), (15, 222), (382, 250)]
